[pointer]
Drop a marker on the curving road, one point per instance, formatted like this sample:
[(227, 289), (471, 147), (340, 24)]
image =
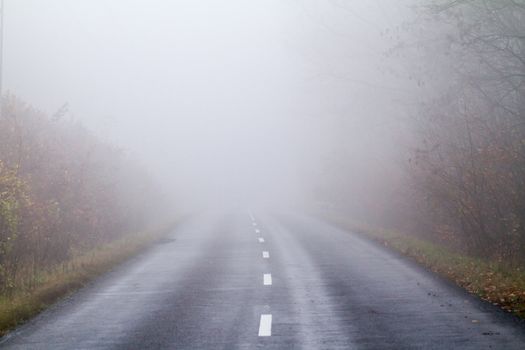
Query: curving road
[(235, 281)]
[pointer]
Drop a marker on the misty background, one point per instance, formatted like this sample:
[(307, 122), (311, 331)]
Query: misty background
[(403, 121), (231, 102)]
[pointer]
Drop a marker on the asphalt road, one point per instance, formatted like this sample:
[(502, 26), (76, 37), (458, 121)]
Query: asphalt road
[(288, 282)]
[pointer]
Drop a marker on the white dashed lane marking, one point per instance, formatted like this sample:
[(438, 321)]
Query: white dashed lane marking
[(265, 326), (267, 279)]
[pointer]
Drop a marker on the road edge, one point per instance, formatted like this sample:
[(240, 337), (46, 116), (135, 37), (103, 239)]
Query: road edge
[(70, 277)]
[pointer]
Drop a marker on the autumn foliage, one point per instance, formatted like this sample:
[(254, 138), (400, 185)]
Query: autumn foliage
[(468, 166), (62, 192)]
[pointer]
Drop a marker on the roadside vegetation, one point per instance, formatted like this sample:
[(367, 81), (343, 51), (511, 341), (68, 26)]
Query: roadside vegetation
[(492, 281), (467, 167), (71, 206), (457, 187), (52, 284)]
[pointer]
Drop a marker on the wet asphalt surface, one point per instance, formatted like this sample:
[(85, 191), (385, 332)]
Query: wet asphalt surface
[(202, 288)]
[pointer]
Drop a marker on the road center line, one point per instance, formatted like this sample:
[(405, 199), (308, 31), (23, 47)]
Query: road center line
[(257, 230), (254, 223), (261, 240), (265, 326), (267, 279), (266, 255)]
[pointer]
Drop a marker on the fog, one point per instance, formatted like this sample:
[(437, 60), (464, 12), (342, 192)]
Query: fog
[(204, 146), (230, 102)]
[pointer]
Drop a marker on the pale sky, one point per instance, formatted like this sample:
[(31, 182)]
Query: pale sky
[(215, 97)]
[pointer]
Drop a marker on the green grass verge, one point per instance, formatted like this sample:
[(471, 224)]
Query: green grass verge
[(494, 282), (54, 284)]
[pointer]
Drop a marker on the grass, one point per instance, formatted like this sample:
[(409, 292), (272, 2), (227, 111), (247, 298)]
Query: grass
[(494, 282), (53, 284)]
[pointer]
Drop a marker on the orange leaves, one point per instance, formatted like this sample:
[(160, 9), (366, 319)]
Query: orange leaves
[(61, 190)]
